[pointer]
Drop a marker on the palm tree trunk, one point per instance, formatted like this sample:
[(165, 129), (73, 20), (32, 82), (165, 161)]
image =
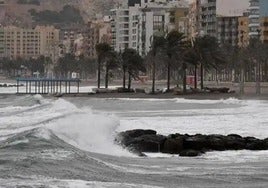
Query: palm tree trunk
[(195, 76), (124, 78), (99, 67), (129, 81), (184, 78), (106, 77), (202, 76), (168, 76), (153, 84)]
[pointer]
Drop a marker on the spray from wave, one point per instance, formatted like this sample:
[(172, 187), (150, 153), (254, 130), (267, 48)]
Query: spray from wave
[(81, 128)]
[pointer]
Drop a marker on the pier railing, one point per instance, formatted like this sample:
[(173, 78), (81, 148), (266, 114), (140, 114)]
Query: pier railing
[(46, 86)]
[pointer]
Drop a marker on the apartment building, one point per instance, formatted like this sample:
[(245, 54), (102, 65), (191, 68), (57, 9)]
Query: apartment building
[(264, 29), (125, 25), (27, 43), (98, 31), (243, 30), (227, 30), (133, 26), (208, 21), (254, 18)]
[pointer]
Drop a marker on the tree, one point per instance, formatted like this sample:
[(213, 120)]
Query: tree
[(103, 50), (66, 64), (208, 54), (133, 64), (111, 62), (176, 45), (158, 42)]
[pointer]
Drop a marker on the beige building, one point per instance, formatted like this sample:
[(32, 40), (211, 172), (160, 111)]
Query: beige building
[(264, 29), (28, 43), (243, 31), (98, 31)]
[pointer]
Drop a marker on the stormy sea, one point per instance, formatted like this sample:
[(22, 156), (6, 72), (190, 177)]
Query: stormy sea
[(69, 142)]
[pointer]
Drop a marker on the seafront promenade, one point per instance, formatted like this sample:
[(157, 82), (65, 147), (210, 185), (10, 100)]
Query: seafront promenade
[(87, 89)]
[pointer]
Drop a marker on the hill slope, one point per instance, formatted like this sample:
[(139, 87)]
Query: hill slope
[(18, 14)]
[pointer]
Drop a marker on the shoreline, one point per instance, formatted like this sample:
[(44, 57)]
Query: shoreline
[(195, 96)]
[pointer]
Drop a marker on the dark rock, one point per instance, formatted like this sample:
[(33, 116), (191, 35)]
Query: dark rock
[(190, 153), (139, 141), (218, 90), (255, 144), (235, 143), (216, 142), (196, 142), (124, 90), (173, 145), (138, 132), (148, 143)]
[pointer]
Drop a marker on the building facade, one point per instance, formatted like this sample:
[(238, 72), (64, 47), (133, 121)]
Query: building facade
[(27, 43), (243, 30), (264, 29), (227, 30), (133, 26), (208, 21), (254, 18)]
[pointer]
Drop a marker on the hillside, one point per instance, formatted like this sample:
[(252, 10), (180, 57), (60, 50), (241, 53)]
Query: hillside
[(17, 11)]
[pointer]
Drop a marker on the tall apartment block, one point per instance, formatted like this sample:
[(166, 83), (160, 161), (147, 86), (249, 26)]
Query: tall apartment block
[(258, 16), (208, 21), (227, 30), (133, 26), (243, 30), (28, 43), (254, 18)]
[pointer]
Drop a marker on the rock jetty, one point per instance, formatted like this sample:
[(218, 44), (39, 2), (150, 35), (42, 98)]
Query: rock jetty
[(139, 141)]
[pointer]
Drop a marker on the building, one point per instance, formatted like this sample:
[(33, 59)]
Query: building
[(193, 18), (28, 43), (133, 26), (208, 21), (243, 30), (227, 30), (2, 11), (254, 18), (264, 29), (98, 31)]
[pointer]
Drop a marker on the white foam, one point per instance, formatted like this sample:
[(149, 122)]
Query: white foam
[(249, 119), (59, 183), (90, 132)]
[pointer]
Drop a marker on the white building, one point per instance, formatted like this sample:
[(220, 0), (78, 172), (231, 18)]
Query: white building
[(134, 26)]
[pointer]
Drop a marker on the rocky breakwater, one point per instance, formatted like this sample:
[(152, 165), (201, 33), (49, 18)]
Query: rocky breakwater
[(140, 141)]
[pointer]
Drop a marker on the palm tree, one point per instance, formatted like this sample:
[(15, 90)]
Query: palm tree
[(208, 54), (176, 44), (158, 43), (133, 64), (102, 51), (111, 62)]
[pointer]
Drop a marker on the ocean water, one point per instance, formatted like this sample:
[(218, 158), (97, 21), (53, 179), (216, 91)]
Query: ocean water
[(49, 142)]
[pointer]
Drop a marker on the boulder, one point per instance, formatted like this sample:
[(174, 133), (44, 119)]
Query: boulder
[(255, 144), (141, 140), (148, 143), (197, 142), (216, 142), (173, 145), (190, 153), (235, 142)]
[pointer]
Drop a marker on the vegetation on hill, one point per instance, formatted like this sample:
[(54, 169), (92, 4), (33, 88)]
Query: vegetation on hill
[(68, 14), (29, 2)]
